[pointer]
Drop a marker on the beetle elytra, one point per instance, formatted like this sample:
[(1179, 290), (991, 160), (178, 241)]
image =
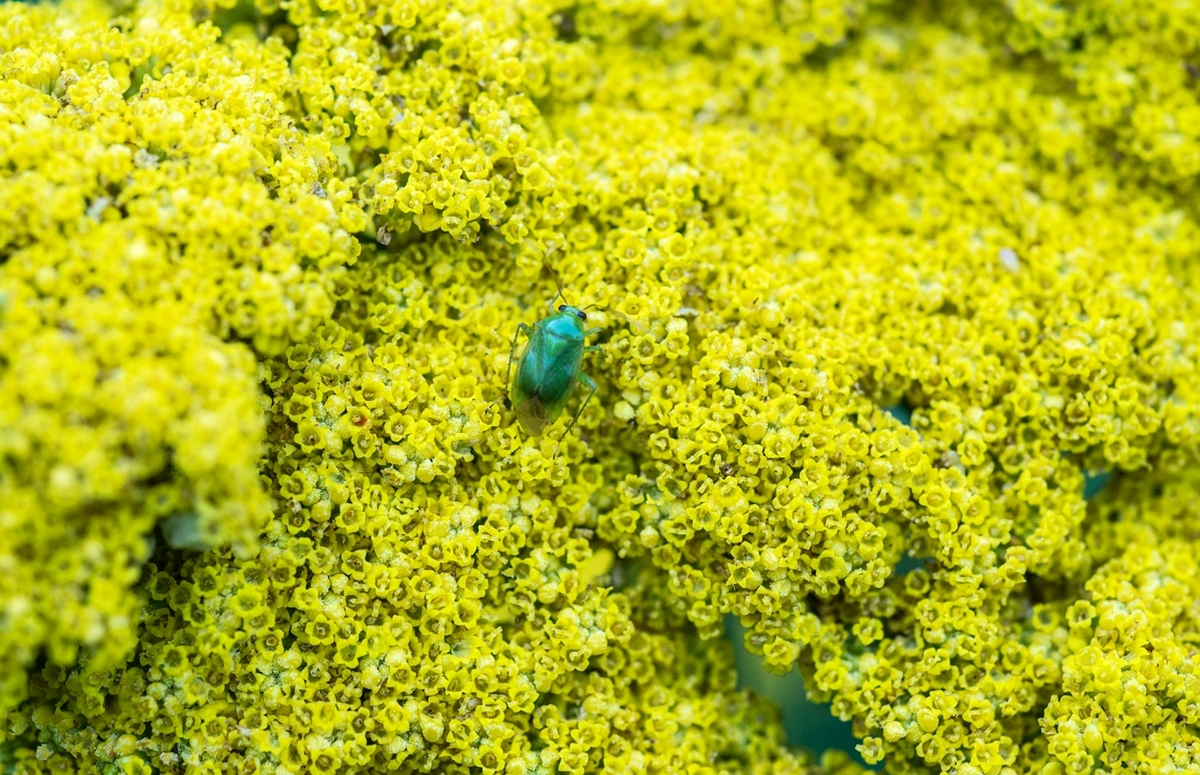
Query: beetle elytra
[(550, 366)]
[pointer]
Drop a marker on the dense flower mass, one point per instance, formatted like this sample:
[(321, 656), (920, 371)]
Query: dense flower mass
[(264, 506)]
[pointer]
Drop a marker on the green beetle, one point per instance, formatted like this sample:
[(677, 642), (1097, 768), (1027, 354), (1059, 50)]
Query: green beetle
[(549, 367)]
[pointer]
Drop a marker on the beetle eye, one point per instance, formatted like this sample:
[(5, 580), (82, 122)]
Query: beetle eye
[(582, 315), (562, 307)]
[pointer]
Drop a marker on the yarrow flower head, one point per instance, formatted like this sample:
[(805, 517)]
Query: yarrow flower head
[(882, 291)]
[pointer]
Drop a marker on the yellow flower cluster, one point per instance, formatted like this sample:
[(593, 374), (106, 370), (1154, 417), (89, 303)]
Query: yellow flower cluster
[(142, 253), (264, 507), (1130, 696), (1138, 68)]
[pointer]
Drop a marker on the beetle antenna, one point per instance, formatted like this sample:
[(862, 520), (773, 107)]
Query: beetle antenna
[(606, 308), (557, 281)]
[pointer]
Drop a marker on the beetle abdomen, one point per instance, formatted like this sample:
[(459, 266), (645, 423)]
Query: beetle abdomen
[(532, 415)]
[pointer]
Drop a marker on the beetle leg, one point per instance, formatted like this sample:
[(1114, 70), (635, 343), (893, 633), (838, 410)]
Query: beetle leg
[(528, 329), (590, 384), (592, 331)]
